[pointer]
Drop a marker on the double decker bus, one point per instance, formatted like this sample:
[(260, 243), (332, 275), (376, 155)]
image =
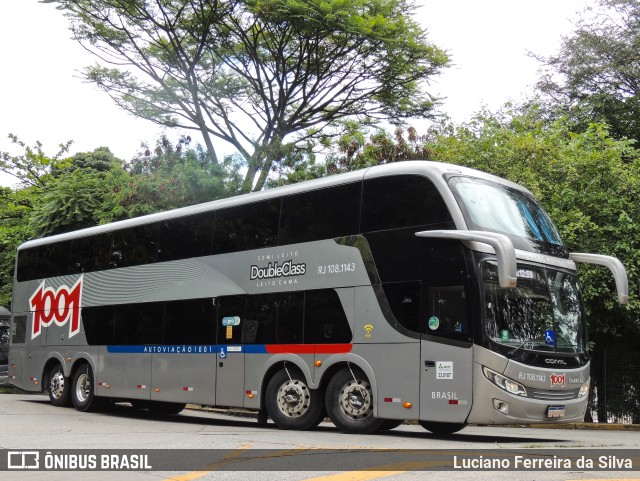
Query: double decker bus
[(412, 291)]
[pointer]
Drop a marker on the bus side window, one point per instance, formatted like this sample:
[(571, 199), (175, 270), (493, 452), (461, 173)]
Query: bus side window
[(324, 319), (251, 226), (404, 301), (401, 201), (18, 329), (320, 214), (186, 237), (190, 321), (99, 325), (445, 313), (49, 260), (90, 254), (138, 324), (261, 319), (290, 318), (134, 246)]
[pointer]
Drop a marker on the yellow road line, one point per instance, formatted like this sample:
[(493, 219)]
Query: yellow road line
[(212, 467), (380, 471)]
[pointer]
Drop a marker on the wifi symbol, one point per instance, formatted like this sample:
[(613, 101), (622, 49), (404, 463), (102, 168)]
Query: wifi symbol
[(367, 330)]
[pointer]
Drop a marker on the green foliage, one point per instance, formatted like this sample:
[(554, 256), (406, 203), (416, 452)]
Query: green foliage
[(587, 181), (166, 177), (596, 74), (32, 167), (265, 76), (72, 202), (59, 195), (15, 207)]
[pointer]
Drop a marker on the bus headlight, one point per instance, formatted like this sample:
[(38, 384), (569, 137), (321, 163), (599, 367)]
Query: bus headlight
[(584, 389), (504, 383)]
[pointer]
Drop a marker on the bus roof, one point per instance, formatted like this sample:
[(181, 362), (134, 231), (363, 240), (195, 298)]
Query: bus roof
[(433, 170)]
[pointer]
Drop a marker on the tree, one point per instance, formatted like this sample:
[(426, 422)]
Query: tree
[(169, 176), (15, 208), (33, 167), (596, 74), (264, 76)]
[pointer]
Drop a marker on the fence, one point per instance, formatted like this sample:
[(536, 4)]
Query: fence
[(615, 387)]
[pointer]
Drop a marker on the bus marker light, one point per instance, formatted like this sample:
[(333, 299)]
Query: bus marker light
[(317, 363), (157, 389), (453, 401), (187, 388), (407, 405), (68, 359), (392, 400), (251, 394), (142, 386)]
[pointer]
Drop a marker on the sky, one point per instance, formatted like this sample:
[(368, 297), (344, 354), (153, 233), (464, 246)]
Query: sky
[(43, 98)]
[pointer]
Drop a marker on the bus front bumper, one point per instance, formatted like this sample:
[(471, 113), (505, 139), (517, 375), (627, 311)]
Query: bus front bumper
[(492, 405)]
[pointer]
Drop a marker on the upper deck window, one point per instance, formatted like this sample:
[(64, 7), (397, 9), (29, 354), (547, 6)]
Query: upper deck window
[(401, 201)]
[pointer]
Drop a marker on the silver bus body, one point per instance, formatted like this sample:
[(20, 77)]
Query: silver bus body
[(404, 363)]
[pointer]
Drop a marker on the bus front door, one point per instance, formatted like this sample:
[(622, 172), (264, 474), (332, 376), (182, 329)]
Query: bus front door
[(446, 357), (446, 385)]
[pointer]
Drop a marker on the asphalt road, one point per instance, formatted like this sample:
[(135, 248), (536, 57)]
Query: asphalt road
[(205, 445)]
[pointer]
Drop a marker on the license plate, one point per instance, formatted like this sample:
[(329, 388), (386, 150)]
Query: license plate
[(555, 411)]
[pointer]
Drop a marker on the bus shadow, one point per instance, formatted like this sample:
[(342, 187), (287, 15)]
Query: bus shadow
[(189, 416)]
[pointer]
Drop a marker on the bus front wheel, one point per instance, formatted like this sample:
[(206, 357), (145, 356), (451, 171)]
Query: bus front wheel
[(349, 402), (291, 404), (58, 386)]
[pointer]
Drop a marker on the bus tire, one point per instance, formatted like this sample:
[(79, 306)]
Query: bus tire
[(349, 402), (82, 389), (442, 429), (291, 404), (58, 386)]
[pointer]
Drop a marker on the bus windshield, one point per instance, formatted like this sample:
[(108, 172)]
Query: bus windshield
[(493, 207), (542, 313)]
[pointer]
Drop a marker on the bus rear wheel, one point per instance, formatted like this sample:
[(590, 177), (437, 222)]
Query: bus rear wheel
[(442, 429), (291, 404), (349, 402), (58, 386), (82, 389)]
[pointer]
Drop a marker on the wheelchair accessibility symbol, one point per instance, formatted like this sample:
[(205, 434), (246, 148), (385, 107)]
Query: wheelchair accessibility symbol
[(549, 337), (223, 353)]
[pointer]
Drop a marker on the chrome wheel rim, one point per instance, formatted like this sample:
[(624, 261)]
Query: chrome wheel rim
[(56, 384), (293, 398), (83, 387), (355, 400)]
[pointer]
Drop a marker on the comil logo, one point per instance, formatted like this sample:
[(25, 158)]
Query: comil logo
[(60, 305)]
